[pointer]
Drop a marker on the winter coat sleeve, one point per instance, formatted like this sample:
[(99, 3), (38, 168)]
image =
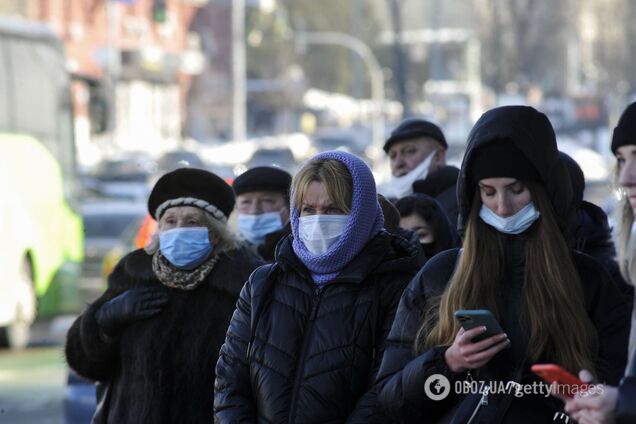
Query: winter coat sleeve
[(626, 407), (233, 401), (403, 373), (594, 238), (88, 351), (610, 314), (366, 407)]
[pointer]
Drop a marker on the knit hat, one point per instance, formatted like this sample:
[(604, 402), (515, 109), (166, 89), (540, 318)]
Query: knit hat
[(501, 158), (262, 178), (365, 221), (625, 131), (415, 128), (192, 187)]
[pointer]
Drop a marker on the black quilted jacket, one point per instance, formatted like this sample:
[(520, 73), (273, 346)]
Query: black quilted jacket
[(299, 354)]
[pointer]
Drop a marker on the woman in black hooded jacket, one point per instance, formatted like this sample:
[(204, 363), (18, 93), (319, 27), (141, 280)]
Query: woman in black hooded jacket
[(554, 304)]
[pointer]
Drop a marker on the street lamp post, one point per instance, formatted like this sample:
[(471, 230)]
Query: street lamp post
[(238, 71), (377, 79)]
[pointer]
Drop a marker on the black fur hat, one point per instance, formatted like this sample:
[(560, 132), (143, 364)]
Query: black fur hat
[(415, 128), (192, 187), (262, 178)]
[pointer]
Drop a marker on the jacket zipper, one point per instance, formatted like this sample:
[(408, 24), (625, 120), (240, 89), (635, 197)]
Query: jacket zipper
[(303, 352), (482, 401)]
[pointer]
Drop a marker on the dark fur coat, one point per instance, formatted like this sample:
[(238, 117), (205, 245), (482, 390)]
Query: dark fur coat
[(161, 370)]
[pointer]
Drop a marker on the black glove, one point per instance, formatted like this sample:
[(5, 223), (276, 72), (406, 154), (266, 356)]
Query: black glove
[(131, 305)]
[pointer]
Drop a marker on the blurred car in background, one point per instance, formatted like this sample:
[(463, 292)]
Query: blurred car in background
[(133, 237), (106, 221), (126, 176), (172, 160), (353, 140), (224, 171), (282, 157), (79, 399)]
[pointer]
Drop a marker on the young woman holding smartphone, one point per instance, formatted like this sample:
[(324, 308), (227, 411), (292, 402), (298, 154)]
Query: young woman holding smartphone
[(554, 305)]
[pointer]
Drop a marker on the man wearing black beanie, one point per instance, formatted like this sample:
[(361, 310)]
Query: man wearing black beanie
[(262, 202)]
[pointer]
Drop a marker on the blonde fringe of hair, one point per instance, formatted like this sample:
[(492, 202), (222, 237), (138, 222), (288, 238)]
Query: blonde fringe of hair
[(333, 174)]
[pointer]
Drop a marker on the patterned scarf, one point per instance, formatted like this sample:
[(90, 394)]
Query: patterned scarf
[(171, 276)]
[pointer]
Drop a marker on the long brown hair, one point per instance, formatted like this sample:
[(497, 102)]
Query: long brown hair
[(553, 310)]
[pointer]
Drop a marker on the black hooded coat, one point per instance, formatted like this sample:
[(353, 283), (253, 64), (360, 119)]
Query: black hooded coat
[(404, 372), (442, 186), (593, 235)]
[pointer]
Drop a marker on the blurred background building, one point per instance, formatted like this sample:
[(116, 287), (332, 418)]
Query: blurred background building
[(138, 56), (165, 67)]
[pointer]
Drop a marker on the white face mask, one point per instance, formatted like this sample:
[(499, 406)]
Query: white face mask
[(320, 232), (515, 224), (403, 186)]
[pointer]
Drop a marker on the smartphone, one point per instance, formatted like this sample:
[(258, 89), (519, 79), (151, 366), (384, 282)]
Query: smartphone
[(569, 385), (471, 318)]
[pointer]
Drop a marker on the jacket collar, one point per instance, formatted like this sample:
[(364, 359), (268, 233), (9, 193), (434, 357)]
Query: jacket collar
[(385, 253), (138, 266)]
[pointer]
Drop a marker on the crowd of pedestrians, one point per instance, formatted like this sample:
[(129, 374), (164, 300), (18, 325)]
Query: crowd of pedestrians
[(335, 300)]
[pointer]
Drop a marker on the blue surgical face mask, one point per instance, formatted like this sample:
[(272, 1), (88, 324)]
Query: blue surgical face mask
[(515, 224), (185, 248), (319, 232), (256, 227)]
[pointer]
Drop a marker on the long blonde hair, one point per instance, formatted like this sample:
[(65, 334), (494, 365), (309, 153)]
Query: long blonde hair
[(553, 310), (624, 218)]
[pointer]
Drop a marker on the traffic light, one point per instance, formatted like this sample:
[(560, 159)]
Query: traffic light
[(159, 11)]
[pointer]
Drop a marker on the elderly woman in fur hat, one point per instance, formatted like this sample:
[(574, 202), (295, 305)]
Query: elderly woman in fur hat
[(152, 339)]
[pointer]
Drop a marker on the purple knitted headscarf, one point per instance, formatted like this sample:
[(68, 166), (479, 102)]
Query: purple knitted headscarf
[(365, 221)]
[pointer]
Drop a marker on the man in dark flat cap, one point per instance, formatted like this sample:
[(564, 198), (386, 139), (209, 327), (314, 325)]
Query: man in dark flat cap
[(262, 202), (417, 155)]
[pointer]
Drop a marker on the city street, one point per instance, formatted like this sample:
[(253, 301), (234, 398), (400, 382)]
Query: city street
[(32, 381)]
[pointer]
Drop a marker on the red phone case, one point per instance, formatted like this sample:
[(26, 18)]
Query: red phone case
[(569, 384)]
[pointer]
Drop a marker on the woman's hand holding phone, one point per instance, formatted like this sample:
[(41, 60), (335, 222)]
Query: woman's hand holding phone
[(465, 354), (479, 339)]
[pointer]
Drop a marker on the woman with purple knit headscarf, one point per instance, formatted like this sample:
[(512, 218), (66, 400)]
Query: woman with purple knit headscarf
[(308, 334)]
